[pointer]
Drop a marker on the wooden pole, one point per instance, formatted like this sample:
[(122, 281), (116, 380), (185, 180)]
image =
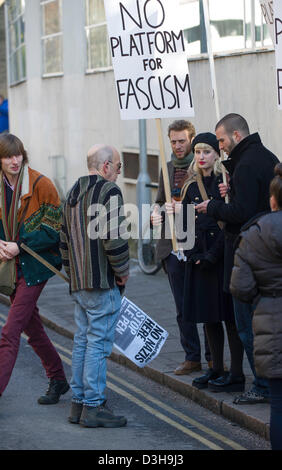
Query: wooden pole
[(166, 182), (213, 80), (43, 261)]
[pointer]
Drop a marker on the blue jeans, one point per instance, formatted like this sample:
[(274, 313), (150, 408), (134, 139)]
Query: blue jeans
[(96, 313), (243, 318)]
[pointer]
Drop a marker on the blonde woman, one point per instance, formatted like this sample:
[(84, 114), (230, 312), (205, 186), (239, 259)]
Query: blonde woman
[(204, 299)]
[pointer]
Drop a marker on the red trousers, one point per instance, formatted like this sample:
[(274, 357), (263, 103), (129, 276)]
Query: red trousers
[(24, 317)]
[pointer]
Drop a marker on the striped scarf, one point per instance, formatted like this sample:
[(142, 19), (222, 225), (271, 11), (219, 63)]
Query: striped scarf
[(10, 220)]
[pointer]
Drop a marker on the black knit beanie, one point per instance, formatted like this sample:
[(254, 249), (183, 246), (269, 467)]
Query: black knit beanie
[(206, 138)]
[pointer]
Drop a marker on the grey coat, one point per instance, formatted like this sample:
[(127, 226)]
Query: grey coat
[(257, 278)]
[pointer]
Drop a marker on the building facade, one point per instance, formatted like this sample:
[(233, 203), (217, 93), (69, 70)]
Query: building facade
[(3, 68), (62, 93)]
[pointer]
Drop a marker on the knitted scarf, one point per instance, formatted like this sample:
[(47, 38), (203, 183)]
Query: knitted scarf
[(182, 162), (10, 222)]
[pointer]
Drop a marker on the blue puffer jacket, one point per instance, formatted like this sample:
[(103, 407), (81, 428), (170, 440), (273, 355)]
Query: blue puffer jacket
[(4, 117)]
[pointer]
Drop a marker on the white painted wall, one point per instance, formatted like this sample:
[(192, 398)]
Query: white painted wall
[(66, 115)]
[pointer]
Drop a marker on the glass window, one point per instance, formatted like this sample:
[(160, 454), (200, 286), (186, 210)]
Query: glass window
[(52, 37), (98, 52), (131, 166), (235, 25), (192, 27), (16, 42), (227, 25), (263, 37)]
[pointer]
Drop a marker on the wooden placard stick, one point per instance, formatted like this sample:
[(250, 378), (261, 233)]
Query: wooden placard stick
[(224, 174), (166, 182), (43, 261)]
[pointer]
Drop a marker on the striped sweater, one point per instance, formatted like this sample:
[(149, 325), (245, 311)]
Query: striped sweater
[(93, 248)]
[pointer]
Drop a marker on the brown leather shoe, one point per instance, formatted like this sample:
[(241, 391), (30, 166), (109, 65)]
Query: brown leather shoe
[(187, 367)]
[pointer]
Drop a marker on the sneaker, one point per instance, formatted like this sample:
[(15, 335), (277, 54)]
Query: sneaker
[(250, 398), (75, 412), (55, 389), (100, 416)]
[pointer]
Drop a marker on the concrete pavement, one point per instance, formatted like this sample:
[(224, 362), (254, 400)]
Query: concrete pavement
[(152, 294)]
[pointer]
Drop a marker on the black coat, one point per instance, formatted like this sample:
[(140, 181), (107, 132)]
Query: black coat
[(257, 278), (251, 168), (204, 300)]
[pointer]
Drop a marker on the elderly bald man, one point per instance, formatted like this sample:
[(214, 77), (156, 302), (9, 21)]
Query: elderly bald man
[(97, 267)]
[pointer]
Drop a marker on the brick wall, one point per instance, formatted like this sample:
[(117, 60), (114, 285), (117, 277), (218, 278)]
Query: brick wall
[(3, 67)]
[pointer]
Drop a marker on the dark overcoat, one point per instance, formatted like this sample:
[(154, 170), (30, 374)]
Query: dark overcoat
[(251, 168), (257, 278), (204, 300)]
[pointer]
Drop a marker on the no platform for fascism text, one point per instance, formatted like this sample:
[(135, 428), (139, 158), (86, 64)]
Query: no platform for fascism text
[(148, 49)]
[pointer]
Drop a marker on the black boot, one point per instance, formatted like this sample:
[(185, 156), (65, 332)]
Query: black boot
[(75, 413), (55, 390), (202, 381), (227, 383), (100, 416)]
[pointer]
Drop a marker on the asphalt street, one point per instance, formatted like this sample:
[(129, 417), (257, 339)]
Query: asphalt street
[(158, 418)]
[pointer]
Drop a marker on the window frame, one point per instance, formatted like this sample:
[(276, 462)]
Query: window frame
[(46, 37), (239, 51), (21, 48), (152, 160), (87, 29)]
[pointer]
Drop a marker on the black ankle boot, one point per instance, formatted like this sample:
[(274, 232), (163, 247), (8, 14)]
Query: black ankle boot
[(75, 413), (228, 383), (55, 390), (202, 381)]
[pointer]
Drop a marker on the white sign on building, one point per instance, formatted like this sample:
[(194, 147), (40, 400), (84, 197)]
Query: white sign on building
[(149, 58), (278, 47)]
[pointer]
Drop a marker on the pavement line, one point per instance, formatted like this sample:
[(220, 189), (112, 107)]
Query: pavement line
[(162, 405), (168, 408), (154, 412), (180, 415)]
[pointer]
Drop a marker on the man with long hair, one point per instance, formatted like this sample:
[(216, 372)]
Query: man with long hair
[(30, 208)]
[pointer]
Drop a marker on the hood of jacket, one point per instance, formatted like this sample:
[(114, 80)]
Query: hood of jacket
[(270, 234), (270, 227), (81, 187)]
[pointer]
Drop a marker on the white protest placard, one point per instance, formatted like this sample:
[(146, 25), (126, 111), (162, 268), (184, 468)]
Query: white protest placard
[(278, 48), (268, 14), (137, 335), (149, 58)]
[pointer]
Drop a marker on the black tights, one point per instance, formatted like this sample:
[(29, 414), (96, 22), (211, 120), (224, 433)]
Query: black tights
[(215, 335)]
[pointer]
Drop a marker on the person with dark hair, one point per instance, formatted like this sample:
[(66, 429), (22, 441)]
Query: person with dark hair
[(250, 166), (181, 134), (4, 115), (204, 269), (257, 278), (30, 208)]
